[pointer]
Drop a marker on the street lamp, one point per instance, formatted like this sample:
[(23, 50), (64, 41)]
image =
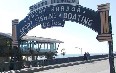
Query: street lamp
[(80, 49)]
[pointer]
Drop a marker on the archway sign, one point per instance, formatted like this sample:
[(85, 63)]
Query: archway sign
[(54, 13)]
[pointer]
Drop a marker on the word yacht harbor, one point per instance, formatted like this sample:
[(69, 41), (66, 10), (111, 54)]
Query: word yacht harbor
[(48, 2)]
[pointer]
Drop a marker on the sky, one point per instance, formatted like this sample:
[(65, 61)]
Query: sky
[(72, 34)]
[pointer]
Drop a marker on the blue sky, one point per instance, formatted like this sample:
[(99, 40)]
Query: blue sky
[(73, 34)]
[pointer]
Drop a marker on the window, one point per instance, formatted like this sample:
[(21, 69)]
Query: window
[(42, 46), (48, 46)]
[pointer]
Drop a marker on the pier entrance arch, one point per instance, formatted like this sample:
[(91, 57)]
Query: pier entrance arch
[(51, 13)]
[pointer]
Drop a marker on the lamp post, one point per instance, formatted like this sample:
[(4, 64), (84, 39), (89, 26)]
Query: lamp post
[(80, 49)]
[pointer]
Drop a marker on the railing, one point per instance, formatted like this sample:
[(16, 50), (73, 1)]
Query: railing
[(6, 66)]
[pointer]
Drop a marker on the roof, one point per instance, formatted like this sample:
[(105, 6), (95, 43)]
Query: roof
[(32, 38), (41, 39), (6, 35)]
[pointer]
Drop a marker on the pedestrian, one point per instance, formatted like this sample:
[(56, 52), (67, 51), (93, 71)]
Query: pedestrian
[(88, 56), (85, 56)]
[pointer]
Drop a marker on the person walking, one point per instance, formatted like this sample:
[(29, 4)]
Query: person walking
[(85, 56), (88, 56)]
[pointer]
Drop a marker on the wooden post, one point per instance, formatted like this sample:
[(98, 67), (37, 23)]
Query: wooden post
[(106, 32), (14, 33), (16, 54)]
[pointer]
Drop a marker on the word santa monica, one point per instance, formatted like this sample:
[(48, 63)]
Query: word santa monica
[(48, 2)]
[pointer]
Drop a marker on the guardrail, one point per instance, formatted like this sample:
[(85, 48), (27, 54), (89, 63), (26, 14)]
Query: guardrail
[(6, 66)]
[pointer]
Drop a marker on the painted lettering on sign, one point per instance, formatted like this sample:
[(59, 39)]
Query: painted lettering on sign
[(64, 1), (32, 20), (73, 13), (56, 16), (76, 17), (70, 16), (52, 23), (66, 8), (67, 12), (48, 2), (49, 16), (26, 27)]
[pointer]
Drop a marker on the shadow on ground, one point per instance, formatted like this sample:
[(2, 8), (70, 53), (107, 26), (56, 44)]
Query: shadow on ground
[(57, 66)]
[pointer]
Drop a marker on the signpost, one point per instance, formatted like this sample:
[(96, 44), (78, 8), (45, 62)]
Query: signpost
[(106, 32), (16, 54)]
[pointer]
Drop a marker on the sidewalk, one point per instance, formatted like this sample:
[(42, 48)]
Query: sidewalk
[(93, 67), (72, 67)]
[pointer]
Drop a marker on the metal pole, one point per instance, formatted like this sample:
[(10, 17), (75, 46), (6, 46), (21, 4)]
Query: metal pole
[(81, 51), (111, 55)]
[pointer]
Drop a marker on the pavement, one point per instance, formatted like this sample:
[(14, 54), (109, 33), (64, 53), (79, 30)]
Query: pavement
[(93, 66)]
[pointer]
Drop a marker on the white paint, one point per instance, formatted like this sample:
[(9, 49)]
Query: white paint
[(57, 9), (50, 16), (79, 17), (90, 22), (73, 8), (74, 17), (42, 18), (65, 15), (62, 8), (86, 20), (82, 18), (48, 24), (79, 10), (49, 2), (69, 16), (45, 6), (45, 18), (26, 27), (67, 8)]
